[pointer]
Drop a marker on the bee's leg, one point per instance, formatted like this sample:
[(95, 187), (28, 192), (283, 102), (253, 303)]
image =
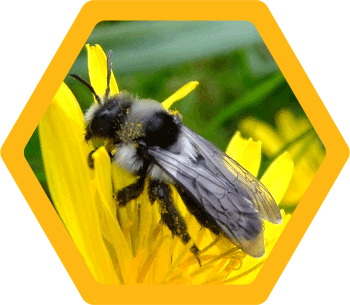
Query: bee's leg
[(130, 192), (161, 192), (90, 159), (133, 191)]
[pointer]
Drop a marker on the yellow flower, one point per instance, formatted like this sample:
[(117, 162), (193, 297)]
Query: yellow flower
[(294, 134), (129, 245)]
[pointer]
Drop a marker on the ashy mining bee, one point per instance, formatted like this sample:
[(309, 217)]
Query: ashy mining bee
[(151, 142)]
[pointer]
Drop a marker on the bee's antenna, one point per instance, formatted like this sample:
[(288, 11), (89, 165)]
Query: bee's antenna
[(109, 72), (98, 99)]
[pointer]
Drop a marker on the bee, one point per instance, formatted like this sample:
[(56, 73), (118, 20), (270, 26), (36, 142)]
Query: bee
[(152, 143)]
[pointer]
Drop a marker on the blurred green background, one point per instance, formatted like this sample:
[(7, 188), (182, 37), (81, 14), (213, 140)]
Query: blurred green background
[(237, 75)]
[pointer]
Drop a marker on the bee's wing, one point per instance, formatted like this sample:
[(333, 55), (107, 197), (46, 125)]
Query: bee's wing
[(246, 184), (218, 199)]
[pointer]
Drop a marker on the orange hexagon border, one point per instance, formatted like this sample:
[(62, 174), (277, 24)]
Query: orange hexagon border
[(13, 151)]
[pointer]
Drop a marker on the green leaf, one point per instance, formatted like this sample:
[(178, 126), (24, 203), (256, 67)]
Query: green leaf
[(152, 45), (250, 98)]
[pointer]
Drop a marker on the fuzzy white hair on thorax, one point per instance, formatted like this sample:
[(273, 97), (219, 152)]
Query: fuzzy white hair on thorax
[(142, 110), (90, 113), (127, 158), (156, 173)]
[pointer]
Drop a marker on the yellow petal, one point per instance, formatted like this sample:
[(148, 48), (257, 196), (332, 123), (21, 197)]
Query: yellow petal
[(145, 222), (121, 178), (103, 174), (246, 152), (162, 260), (65, 100), (97, 63), (64, 152), (290, 126), (278, 175), (179, 94), (236, 146), (110, 228), (261, 131), (302, 177)]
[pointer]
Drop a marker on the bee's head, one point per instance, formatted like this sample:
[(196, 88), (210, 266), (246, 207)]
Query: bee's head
[(101, 120), (105, 120)]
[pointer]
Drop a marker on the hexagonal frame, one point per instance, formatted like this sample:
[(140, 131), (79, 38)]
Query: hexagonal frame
[(91, 14)]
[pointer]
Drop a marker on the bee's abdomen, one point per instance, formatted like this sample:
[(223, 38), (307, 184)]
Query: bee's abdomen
[(201, 215)]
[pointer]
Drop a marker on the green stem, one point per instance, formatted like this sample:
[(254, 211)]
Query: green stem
[(293, 142), (286, 147)]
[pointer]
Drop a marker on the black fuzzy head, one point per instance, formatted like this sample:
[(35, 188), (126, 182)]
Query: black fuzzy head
[(106, 120)]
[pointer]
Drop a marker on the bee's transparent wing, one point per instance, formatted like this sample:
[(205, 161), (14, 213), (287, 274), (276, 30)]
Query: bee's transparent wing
[(245, 183), (217, 198)]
